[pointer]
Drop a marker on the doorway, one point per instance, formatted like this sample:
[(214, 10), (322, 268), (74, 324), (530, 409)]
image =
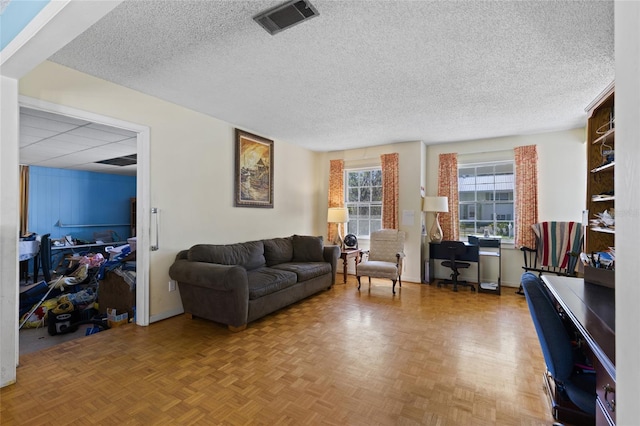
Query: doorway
[(87, 122)]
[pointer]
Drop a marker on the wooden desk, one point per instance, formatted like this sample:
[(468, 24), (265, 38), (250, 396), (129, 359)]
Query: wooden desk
[(345, 255), (591, 308), (436, 252)]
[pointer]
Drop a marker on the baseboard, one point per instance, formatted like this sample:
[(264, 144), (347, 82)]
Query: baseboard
[(166, 314)]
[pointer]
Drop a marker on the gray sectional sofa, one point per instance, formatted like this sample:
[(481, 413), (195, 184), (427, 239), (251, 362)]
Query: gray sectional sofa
[(235, 284)]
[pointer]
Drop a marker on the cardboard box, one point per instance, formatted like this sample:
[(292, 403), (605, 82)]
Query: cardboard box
[(600, 276), (116, 320)]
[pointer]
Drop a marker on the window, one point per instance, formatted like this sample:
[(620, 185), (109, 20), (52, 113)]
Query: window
[(486, 198), (363, 194)]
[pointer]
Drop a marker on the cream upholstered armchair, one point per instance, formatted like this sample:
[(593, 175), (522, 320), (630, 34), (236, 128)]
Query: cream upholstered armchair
[(386, 254)]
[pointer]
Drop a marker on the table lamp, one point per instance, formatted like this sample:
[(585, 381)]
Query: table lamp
[(338, 215), (437, 205)]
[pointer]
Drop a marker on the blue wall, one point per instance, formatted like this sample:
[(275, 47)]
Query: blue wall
[(79, 198)]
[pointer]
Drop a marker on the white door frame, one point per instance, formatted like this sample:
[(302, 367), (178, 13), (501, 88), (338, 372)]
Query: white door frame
[(142, 192)]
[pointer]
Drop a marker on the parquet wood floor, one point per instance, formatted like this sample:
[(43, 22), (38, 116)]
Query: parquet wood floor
[(427, 356)]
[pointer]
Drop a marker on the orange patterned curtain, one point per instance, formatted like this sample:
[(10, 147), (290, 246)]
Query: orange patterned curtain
[(526, 210), (448, 187), (336, 194), (389, 163), (24, 199)]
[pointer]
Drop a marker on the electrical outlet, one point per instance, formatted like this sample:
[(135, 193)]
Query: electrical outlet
[(172, 285)]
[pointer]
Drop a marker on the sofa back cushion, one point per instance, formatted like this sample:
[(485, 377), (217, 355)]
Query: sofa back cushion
[(307, 249), (278, 250), (249, 255)]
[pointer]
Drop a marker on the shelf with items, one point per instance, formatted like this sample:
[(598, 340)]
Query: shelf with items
[(600, 204), (604, 136), (599, 236), (603, 230), (604, 167)]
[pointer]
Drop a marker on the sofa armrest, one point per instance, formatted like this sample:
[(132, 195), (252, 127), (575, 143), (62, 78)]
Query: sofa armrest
[(210, 275), (331, 254)]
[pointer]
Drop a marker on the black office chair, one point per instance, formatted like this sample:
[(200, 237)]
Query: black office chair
[(44, 258), (573, 391), (455, 250)]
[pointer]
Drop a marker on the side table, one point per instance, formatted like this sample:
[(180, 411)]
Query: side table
[(345, 255)]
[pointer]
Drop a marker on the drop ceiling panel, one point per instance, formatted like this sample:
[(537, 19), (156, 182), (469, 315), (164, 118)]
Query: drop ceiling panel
[(44, 123), (53, 140), (35, 132), (28, 112), (108, 129), (101, 135)]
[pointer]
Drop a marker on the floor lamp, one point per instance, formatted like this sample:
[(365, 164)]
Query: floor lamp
[(436, 205), (338, 215)]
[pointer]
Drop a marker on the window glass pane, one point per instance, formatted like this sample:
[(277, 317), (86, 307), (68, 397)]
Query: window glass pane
[(376, 193), (363, 227), (486, 196), (365, 178), (352, 195), (363, 195), (467, 196), (376, 177)]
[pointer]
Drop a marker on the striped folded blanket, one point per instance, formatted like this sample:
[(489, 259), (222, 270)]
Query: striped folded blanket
[(556, 240)]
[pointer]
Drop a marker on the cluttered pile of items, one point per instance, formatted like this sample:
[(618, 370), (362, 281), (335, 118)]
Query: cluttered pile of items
[(88, 293)]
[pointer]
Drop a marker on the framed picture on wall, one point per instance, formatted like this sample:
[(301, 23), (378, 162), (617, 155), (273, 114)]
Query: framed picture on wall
[(253, 171)]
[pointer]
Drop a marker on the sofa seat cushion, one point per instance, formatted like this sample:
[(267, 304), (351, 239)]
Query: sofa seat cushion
[(307, 270), (264, 281)]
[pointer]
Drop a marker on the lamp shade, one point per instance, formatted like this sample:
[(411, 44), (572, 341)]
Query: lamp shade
[(435, 204), (338, 215)]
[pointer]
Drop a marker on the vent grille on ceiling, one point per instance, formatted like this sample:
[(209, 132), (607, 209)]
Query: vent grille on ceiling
[(286, 15), (127, 160)]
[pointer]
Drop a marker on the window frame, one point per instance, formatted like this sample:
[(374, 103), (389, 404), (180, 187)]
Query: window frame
[(494, 201), (350, 205)]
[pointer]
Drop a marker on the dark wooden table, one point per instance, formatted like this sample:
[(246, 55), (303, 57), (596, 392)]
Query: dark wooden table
[(345, 255)]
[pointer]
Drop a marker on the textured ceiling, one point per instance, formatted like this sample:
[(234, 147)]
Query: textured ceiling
[(363, 72)]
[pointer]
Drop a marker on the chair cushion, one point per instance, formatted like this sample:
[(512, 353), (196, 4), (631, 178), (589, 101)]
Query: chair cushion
[(377, 269), (447, 264), (306, 271), (264, 281)]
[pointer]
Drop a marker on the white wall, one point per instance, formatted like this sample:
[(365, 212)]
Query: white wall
[(9, 219), (192, 169), (627, 16), (561, 184)]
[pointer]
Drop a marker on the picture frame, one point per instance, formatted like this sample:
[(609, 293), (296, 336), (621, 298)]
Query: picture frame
[(253, 170)]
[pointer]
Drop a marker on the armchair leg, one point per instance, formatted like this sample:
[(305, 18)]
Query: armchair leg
[(358, 277), (393, 287)]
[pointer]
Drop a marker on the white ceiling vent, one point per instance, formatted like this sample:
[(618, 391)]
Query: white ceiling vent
[(286, 15)]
